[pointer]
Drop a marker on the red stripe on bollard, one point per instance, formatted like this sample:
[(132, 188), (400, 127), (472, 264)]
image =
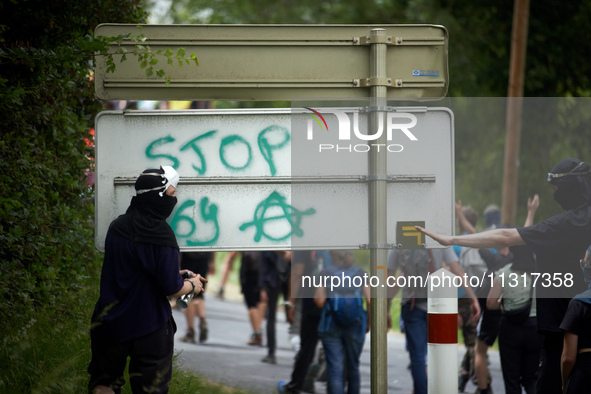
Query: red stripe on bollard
[(443, 328)]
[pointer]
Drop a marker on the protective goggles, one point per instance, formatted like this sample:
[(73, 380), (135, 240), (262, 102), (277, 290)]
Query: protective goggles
[(571, 172)]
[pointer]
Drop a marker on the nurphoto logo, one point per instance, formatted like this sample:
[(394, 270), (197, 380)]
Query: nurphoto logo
[(348, 126)]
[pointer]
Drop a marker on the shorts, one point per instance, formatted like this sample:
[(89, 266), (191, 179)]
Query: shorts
[(200, 266), (580, 379), (150, 367), (250, 288), (488, 326), (468, 325)]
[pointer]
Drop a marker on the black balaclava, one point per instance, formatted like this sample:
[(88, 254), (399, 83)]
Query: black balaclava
[(573, 179), (145, 219)]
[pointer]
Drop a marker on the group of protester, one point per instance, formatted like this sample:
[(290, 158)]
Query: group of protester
[(545, 324), (560, 247), (315, 314)]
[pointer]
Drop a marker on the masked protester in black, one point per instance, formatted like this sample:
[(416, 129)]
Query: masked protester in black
[(132, 318), (576, 353), (559, 243), (573, 183)]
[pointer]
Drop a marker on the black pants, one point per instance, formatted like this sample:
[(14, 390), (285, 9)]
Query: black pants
[(150, 366), (309, 340), (272, 298), (549, 377), (520, 346), (580, 377)]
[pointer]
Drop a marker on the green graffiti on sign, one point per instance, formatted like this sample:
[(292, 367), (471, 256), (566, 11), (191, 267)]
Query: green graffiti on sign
[(209, 214), (277, 203), (270, 141)]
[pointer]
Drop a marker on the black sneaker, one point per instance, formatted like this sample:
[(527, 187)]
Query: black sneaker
[(202, 331), (462, 382), (189, 337), (256, 339), (269, 359), (487, 390), (308, 386)]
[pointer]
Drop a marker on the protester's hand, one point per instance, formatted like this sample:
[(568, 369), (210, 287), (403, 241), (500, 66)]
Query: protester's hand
[(533, 203), (475, 310), (290, 313), (459, 208), (199, 284), (444, 240)]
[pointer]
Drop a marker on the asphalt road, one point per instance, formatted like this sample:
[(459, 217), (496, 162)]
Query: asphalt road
[(226, 358)]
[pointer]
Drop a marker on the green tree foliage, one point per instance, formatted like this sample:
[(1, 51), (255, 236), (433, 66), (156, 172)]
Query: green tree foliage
[(48, 107), (479, 54), (480, 35)]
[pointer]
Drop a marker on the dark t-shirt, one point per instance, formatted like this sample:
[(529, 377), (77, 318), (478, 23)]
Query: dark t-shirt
[(249, 270), (578, 321), (272, 270), (197, 262), (135, 282), (559, 243), (305, 292)]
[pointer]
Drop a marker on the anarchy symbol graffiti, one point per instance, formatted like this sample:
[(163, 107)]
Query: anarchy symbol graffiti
[(275, 208)]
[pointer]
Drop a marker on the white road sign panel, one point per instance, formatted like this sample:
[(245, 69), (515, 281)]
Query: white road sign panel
[(251, 180)]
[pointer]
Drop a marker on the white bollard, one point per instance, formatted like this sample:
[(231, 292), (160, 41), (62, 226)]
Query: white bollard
[(442, 333)]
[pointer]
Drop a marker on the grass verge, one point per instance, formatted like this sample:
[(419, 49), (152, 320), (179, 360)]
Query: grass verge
[(51, 352)]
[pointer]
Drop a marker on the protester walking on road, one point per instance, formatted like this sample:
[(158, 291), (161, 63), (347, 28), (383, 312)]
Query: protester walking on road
[(249, 284), (559, 243), (519, 342), (480, 335), (576, 354), (487, 262), (467, 325), (303, 265), (200, 263), (344, 322), (272, 266), (132, 317)]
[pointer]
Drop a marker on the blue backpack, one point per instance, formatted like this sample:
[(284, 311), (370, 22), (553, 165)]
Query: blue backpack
[(344, 304)]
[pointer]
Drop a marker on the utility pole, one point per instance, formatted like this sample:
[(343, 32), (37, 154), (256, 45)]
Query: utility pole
[(514, 109)]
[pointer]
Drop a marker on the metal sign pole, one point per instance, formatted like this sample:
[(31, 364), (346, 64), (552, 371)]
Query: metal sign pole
[(378, 214)]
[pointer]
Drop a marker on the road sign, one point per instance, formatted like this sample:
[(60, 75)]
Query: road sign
[(278, 62), (408, 237), (251, 179)]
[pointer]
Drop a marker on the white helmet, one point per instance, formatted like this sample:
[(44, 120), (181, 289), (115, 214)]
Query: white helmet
[(172, 177)]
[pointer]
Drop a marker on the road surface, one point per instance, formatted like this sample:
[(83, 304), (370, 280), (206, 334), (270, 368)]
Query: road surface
[(226, 358)]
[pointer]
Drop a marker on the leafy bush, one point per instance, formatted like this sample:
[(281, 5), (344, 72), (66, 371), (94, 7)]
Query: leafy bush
[(48, 108)]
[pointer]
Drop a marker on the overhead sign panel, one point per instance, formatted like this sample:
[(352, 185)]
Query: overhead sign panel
[(251, 179), (278, 62)]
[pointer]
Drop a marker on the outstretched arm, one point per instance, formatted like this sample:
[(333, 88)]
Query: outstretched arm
[(497, 238), (532, 207)]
